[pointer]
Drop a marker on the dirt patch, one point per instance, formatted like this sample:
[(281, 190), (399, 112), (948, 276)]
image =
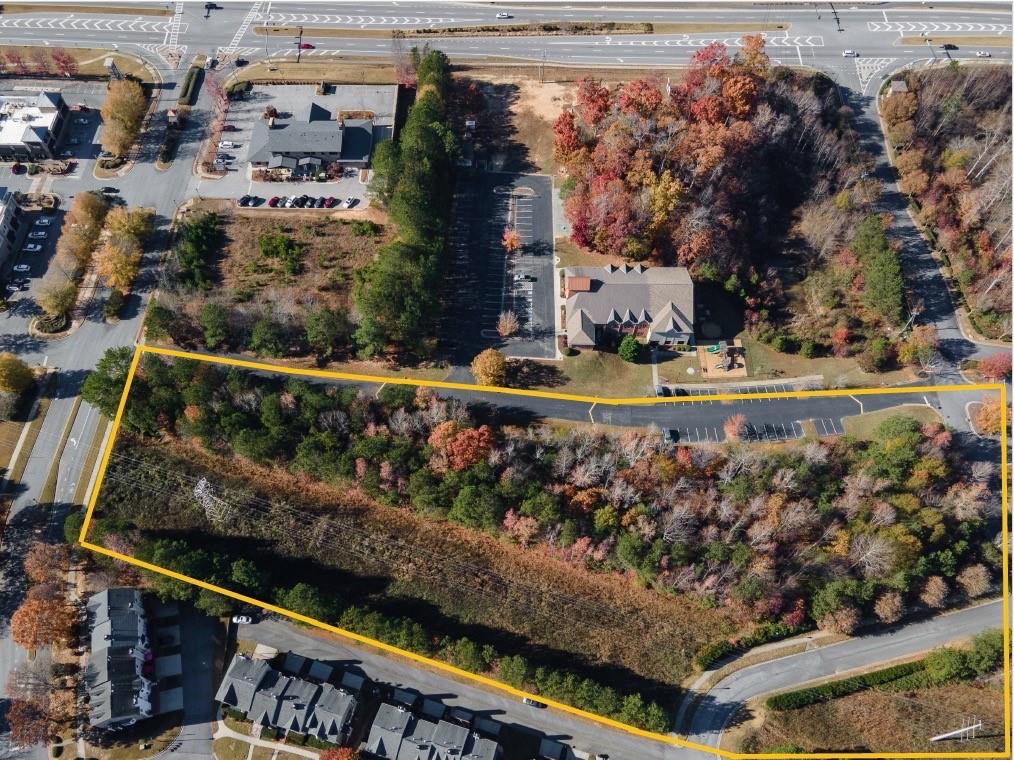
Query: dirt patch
[(330, 248)]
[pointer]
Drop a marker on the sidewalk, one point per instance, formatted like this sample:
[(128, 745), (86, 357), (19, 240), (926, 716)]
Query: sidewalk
[(223, 731)]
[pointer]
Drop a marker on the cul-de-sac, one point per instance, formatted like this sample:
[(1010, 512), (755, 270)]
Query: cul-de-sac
[(544, 380)]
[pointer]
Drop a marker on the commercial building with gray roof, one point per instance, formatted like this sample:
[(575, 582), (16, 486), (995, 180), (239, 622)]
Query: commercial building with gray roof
[(654, 304)]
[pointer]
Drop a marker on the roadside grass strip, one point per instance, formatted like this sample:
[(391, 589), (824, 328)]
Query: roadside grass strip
[(860, 682)]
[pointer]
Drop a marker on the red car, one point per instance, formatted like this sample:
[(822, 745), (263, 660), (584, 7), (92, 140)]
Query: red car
[(230, 128), (330, 202), (273, 202), (305, 46)]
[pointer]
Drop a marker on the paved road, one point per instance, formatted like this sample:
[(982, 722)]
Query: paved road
[(719, 705), (580, 734)]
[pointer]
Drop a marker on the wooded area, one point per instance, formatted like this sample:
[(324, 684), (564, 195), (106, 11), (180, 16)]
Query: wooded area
[(751, 176), (953, 131), (766, 539)]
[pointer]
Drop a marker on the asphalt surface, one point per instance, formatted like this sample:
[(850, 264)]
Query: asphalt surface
[(721, 703), (816, 37), (579, 734)]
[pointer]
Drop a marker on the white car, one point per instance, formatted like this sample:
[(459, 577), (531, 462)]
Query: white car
[(503, 14), (849, 54), (290, 201), (983, 54), (226, 144), (32, 248), (22, 268), (43, 221), (242, 619), (37, 235)]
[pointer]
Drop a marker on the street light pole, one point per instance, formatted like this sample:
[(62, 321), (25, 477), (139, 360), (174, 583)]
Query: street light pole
[(299, 45)]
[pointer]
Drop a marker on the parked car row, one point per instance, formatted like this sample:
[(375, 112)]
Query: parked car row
[(309, 201), (250, 200)]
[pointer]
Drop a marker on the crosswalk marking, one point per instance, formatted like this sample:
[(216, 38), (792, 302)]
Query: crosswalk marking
[(250, 16), (173, 36), (935, 26)]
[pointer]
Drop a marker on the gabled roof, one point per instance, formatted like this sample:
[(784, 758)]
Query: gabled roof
[(241, 681), (662, 297)]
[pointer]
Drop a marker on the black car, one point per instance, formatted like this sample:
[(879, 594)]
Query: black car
[(319, 203), (110, 189), (948, 46), (245, 200), (306, 201)]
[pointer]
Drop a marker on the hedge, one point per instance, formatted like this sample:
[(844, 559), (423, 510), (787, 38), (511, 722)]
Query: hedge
[(766, 632), (793, 700), (186, 97), (712, 652)]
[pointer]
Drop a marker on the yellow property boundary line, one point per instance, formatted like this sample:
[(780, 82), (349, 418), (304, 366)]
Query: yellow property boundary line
[(447, 668)]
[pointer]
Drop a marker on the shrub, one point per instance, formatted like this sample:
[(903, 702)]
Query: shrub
[(158, 321), (716, 650), (944, 665), (267, 338), (783, 343), (808, 349), (772, 631), (188, 90), (844, 620), (113, 304), (629, 349), (794, 700), (15, 375), (876, 356)]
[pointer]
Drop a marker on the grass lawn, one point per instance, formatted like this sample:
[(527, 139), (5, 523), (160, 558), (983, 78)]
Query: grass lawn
[(335, 70), (883, 721), (228, 748), (863, 425), (598, 373), (672, 368), (573, 255), (239, 726), (266, 753), (90, 61), (158, 733), (763, 362)]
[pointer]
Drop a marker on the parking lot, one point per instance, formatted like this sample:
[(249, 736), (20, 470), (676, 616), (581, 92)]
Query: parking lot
[(295, 99), (699, 417), (29, 258), (485, 280)]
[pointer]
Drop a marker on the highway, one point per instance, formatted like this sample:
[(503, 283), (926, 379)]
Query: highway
[(814, 36)]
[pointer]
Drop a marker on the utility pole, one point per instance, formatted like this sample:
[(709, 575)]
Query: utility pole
[(299, 45)]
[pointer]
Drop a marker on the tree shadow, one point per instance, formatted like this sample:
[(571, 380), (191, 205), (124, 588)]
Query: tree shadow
[(527, 373)]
